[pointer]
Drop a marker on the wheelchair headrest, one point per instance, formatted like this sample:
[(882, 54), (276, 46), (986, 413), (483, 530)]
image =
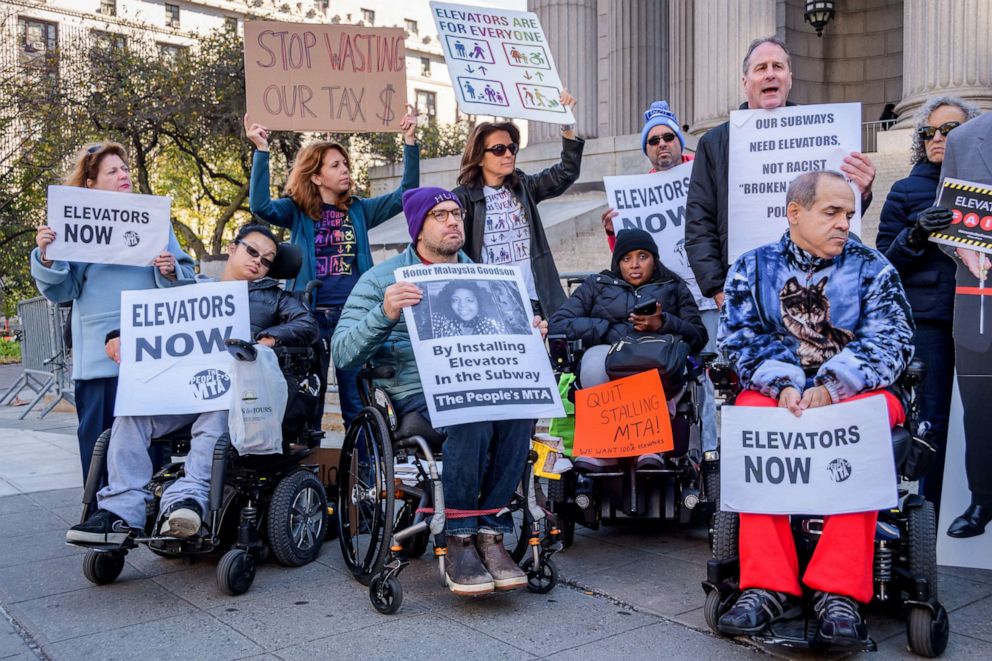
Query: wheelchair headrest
[(288, 261)]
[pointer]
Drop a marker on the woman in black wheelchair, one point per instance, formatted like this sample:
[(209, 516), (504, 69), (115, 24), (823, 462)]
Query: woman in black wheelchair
[(638, 295), (277, 318)]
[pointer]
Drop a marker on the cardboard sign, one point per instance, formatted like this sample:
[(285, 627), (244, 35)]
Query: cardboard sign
[(655, 203), (972, 207), (173, 357), (500, 63), (770, 148), (104, 227), (623, 418), (477, 351), (831, 460), (309, 77)]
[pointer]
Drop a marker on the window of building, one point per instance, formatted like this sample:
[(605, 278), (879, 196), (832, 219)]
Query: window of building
[(427, 105), (411, 26), (231, 24), (425, 67), (170, 52), (368, 16), (108, 7), (39, 44), (172, 15), (110, 40)]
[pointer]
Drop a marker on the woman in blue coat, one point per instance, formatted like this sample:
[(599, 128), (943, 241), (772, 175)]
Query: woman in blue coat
[(927, 272), (331, 226), (95, 290)]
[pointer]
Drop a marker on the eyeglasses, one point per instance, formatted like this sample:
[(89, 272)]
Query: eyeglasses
[(254, 254), (499, 150), (441, 215), (655, 140), (928, 132)]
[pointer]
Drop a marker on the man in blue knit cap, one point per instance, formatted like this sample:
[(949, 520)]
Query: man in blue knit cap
[(483, 460)]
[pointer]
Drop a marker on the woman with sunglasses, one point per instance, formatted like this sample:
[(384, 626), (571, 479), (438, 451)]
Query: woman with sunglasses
[(331, 226), (928, 273), (502, 224), (95, 290)]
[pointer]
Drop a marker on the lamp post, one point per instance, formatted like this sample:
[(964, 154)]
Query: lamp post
[(818, 13)]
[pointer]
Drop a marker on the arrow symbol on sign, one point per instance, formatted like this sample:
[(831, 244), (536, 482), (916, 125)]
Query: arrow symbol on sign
[(540, 76), (527, 75), (483, 70), (469, 69)]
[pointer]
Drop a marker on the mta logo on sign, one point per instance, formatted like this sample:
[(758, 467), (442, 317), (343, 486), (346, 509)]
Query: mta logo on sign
[(840, 469), (210, 384), (131, 238)]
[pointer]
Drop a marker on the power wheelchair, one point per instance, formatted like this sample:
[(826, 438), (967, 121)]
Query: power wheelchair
[(905, 557), (259, 506), (686, 486), (390, 501)]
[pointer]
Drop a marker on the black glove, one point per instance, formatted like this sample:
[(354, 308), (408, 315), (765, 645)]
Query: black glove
[(929, 221)]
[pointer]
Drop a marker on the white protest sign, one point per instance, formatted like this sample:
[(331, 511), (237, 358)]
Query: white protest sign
[(478, 354), (173, 357), (831, 460), (770, 148), (104, 227), (656, 203), (500, 63)]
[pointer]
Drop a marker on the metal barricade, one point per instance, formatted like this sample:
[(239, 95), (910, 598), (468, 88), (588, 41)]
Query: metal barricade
[(47, 362)]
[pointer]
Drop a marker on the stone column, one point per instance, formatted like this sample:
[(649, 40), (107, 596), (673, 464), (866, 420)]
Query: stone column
[(945, 51), (570, 26), (636, 62), (681, 53), (723, 30)]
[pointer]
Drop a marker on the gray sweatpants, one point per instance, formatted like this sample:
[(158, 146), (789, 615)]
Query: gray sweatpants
[(129, 467), (710, 319)]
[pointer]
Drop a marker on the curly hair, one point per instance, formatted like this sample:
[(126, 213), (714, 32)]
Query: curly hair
[(86, 167), (918, 152)]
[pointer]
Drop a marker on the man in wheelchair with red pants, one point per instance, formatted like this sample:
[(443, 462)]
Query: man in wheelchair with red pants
[(814, 319)]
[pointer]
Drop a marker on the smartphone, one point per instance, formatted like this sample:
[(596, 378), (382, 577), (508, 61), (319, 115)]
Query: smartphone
[(646, 308)]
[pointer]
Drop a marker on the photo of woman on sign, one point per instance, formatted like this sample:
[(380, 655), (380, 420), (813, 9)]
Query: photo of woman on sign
[(462, 307)]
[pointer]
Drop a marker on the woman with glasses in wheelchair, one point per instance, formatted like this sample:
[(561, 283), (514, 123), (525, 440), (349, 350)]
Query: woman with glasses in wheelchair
[(638, 294)]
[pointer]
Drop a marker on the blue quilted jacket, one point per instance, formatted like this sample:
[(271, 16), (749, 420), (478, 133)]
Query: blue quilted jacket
[(792, 319)]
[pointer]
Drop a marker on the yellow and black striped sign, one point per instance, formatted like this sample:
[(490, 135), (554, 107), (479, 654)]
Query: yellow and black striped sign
[(971, 188)]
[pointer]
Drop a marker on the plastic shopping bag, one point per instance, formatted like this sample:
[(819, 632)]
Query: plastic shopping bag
[(258, 404)]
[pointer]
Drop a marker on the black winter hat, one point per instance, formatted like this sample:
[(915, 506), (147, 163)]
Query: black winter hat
[(633, 239)]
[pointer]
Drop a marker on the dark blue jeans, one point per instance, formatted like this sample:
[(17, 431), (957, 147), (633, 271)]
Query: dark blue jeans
[(351, 402), (483, 462), (935, 347)]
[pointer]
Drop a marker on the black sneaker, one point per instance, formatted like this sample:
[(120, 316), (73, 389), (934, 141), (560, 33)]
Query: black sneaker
[(839, 619), (183, 519), (756, 609), (102, 528)]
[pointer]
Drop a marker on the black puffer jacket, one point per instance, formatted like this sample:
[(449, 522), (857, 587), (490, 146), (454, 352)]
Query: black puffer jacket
[(280, 315), (597, 312)]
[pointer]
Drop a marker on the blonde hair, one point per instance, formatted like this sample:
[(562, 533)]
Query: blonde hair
[(308, 162), (87, 165)]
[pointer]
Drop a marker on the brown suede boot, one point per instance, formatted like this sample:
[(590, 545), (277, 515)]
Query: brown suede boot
[(505, 572), (463, 571)]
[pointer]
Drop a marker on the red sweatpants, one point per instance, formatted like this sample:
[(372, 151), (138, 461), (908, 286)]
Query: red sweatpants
[(842, 561)]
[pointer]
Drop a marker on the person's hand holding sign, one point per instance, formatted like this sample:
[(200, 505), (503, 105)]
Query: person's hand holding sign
[(815, 397), (569, 102), (257, 134), (541, 325), (166, 264), (113, 349), (409, 125), (398, 296), (44, 238), (976, 262), (861, 171), (608, 217), (789, 398), (646, 318)]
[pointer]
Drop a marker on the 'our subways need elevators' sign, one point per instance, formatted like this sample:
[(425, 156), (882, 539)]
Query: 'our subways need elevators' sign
[(173, 357), (831, 460), (103, 227)]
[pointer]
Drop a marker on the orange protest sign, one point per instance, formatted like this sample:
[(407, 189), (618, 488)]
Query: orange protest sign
[(309, 77), (623, 418)]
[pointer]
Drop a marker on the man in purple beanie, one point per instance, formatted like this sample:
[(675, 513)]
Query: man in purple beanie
[(483, 461)]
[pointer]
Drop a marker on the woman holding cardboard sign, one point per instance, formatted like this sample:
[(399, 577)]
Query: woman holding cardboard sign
[(331, 226), (95, 291)]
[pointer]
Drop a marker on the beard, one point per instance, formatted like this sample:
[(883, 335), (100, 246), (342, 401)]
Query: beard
[(445, 247)]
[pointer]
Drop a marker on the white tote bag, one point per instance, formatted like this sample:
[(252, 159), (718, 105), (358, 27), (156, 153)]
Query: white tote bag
[(258, 404)]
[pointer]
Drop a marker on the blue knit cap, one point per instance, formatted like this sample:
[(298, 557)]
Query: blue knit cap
[(418, 201), (660, 114)]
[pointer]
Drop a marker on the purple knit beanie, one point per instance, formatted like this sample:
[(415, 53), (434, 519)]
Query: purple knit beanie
[(418, 201)]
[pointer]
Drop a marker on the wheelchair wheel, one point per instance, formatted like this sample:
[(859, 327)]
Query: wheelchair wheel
[(366, 497), (713, 610), (103, 567), (386, 594), (542, 580), (724, 533), (923, 544), (296, 517), (235, 572), (927, 632)]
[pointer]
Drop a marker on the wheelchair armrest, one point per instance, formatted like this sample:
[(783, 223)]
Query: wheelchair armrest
[(241, 349)]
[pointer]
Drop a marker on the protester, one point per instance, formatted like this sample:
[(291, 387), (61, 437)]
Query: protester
[(95, 292), (600, 312), (466, 310), (502, 223), (814, 319), (927, 272), (966, 157), (483, 460), (330, 224), (277, 318), (767, 81)]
